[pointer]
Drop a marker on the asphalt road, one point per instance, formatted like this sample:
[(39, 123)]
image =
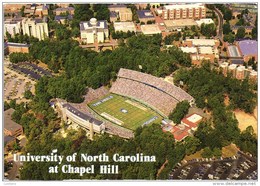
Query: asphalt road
[(220, 24)]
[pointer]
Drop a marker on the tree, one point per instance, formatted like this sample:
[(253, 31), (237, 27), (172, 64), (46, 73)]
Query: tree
[(217, 152), (226, 28), (208, 29), (228, 14), (191, 145), (241, 33), (179, 112), (12, 103), (16, 57), (28, 94), (207, 153), (6, 105)]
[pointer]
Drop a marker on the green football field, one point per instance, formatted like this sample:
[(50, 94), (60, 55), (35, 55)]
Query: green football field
[(124, 111)]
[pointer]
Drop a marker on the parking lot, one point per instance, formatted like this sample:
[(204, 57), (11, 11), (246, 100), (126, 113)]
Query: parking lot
[(30, 70), (16, 84), (239, 167)]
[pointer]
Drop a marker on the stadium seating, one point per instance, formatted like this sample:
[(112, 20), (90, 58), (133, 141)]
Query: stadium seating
[(151, 90)]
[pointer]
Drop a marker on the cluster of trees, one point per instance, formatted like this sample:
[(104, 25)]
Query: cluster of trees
[(172, 37), (254, 31), (20, 38), (208, 30), (88, 68), (230, 37), (101, 11), (179, 112), (241, 32), (17, 57), (122, 35), (226, 28), (204, 82), (209, 88), (134, 11), (148, 140), (227, 13)]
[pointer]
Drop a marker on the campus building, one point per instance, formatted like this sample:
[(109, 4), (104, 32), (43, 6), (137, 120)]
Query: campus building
[(11, 128), (12, 26), (124, 26), (201, 49), (120, 12), (145, 16), (16, 47), (36, 27), (64, 11), (187, 127), (41, 10), (70, 114), (150, 29), (93, 30), (184, 11), (248, 49)]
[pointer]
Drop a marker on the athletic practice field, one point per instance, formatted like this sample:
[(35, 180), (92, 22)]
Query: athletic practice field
[(124, 111)]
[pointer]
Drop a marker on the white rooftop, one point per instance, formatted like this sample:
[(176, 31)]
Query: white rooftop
[(194, 118), (241, 68), (202, 42), (224, 64), (189, 49), (124, 26), (181, 6), (206, 50), (150, 29), (233, 66), (205, 21)]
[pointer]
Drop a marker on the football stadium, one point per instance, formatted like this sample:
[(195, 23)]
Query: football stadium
[(125, 112), (138, 99)]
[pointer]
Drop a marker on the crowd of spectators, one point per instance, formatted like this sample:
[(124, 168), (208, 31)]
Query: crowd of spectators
[(156, 82), (144, 93), (93, 94)]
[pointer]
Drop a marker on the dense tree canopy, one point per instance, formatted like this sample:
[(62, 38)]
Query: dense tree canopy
[(208, 29), (88, 68), (179, 112)]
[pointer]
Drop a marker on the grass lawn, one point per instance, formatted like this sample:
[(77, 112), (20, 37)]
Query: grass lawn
[(129, 113)]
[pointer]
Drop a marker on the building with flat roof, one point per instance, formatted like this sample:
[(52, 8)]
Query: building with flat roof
[(252, 7), (36, 27), (184, 11), (63, 11), (206, 21), (248, 49), (201, 49), (11, 128), (240, 72), (41, 10), (61, 19), (124, 26), (150, 29), (93, 30), (145, 16), (192, 121), (224, 67), (120, 12), (13, 26), (173, 25), (201, 42), (71, 114), (190, 50), (17, 47), (188, 125), (233, 51)]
